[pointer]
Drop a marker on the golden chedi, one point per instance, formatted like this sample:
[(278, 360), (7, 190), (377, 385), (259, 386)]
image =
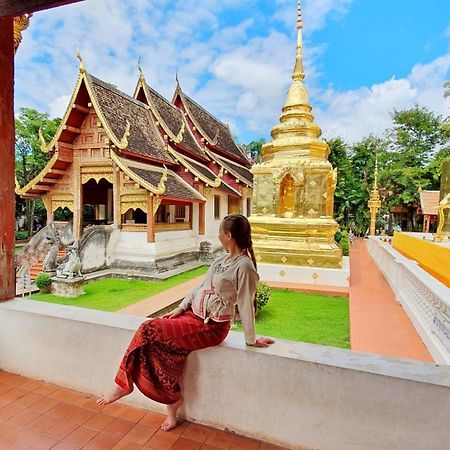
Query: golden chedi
[(292, 220)]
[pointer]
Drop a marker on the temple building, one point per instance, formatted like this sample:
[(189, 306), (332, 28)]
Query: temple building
[(163, 173), (294, 186)]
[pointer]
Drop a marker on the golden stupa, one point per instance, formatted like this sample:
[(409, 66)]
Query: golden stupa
[(293, 196)]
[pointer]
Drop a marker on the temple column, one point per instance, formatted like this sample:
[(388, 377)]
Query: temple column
[(201, 218), (150, 219), (77, 201), (7, 181), (116, 197)]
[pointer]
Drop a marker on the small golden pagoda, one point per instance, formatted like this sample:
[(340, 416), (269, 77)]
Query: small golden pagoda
[(292, 220), (374, 201)]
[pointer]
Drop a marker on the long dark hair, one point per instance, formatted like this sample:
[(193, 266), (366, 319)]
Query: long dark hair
[(239, 227)]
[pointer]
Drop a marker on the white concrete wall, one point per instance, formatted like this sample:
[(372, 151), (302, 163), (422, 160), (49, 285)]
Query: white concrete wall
[(170, 243), (211, 224), (133, 246), (424, 298), (293, 394)]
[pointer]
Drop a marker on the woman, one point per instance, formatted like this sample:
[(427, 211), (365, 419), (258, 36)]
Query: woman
[(156, 356)]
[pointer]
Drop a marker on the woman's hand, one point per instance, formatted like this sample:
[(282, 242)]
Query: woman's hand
[(171, 315), (263, 342)]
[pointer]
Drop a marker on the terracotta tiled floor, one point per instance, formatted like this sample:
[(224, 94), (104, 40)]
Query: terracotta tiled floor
[(37, 416), (378, 324)]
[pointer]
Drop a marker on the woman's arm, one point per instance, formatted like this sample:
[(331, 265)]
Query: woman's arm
[(247, 278)]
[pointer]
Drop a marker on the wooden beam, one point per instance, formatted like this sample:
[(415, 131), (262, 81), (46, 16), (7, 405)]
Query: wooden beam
[(7, 183), (57, 171), (72, 129), (80, 108), (18, 7), (150, 219)]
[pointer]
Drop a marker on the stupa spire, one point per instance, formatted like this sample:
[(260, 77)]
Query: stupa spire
[(299, 73)]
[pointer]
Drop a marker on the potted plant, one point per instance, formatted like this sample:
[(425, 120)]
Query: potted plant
[(44, 282)]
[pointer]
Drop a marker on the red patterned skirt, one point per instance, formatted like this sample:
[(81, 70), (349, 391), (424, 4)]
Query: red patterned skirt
[(156, 356)]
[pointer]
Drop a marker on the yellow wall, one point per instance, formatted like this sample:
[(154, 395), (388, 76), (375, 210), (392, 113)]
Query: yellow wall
[(433, 258)]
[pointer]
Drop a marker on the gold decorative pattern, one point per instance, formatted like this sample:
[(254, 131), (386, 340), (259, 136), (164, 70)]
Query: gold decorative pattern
[(124, 141), (21, 23), (283, 259), (62, 204), (124, 207), (43, 144), (156, 202), (85, 177), (179, 137), (315, 275), (282, 273), (374, 200)]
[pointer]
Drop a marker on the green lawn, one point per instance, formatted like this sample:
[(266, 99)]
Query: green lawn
[(115, 294), (18, 249), (305, 317)]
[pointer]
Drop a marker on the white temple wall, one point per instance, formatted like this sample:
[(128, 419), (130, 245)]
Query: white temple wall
[(293, 394), (212, 224)]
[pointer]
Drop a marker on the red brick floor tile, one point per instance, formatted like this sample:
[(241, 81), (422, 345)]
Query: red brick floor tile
[(46, 389), (197, 432), (4, 402), (81, 436), (133, 414), (31, 385), (7, 428), (207, 447), (91, 403), (103, 441), (119, 427), (152, 419), (115, 409), (98, 422), (80, 415), (42, 423), (5, 388), (45, 404), (140, 434), (265, 446), (25, 417), (186, 444), (65, 446), (162, 440), (43, 443), (126, 445), (243, 443), (62, 410), (15, 393), (15, 380), (220, 439), (61, 429), (30, 399), (10, 410), (22, 438), (180, 428)]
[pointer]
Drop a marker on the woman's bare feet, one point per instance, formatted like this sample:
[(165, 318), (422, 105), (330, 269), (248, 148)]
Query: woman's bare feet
[(113, 395), (171, 420)]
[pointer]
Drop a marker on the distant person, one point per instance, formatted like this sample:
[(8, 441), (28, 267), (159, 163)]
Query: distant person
[(155, 358), (351, 236)]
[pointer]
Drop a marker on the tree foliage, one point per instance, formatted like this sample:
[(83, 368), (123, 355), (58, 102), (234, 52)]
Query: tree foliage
[(30, 160)]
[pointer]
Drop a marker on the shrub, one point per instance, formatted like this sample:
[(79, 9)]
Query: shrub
[(43, 280), (343, 242), (21, 235), (263, 294)]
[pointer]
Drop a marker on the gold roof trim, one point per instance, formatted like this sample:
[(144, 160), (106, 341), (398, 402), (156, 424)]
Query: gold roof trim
[(158, 190), (178, 138), (38, 178), (184, 161), (83, 76)]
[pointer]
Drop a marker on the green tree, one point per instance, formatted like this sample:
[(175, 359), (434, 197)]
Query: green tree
[(254, 150), (30, 160)]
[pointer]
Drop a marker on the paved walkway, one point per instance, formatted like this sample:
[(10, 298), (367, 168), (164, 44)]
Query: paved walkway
[(37, 416), (378, 324)]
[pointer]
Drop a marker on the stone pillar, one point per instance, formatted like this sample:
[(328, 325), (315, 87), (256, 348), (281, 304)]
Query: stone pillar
[(150, 219), (7, 181), (116, 197)]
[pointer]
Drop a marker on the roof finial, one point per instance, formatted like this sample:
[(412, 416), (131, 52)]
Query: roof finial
[(299, 73), (176, 77), (82, 66), (141, 73)]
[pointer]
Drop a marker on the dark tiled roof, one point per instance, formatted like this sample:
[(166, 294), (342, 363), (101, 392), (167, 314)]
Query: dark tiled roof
[(176, 187), (174, 119), (117, 108), (429, 201), (215, 129), (235, 169)]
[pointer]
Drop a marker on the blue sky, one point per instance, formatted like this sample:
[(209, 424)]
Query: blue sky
[(363, 58)]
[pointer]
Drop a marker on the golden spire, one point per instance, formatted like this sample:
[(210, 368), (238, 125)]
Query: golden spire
[(299, 73), (82, 66), (296, 135), (375, 181), (141, 73)]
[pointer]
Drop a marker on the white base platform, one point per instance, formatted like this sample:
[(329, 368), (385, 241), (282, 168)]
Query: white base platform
[(306, 275)]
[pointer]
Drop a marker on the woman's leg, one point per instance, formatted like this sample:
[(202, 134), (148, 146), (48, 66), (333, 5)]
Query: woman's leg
[(171, 419), (115, 393)]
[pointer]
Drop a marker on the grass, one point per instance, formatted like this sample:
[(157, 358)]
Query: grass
[(305, 317), (18, 250), (114, 294)]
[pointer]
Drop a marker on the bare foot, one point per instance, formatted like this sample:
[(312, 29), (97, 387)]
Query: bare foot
[(113, 395), (171, 420)]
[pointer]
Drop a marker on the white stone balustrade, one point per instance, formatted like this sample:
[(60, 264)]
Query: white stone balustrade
[(293, 394), (425, 299)]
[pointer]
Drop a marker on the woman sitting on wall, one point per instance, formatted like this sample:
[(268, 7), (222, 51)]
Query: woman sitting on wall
[(156, 356)]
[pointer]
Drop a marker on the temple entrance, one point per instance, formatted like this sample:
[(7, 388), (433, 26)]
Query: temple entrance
[(63, 215), (97, 203)]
